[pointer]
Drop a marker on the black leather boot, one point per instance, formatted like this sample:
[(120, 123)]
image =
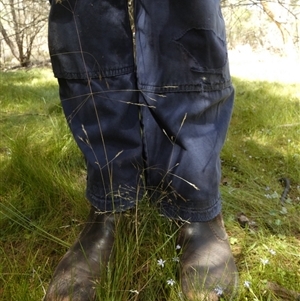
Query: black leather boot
[(207, 270), (75, 276)]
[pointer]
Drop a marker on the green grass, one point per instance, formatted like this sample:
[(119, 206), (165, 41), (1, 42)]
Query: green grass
[(42, 204)]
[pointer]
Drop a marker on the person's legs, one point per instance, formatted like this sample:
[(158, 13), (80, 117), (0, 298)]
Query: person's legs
[(186, 90), (104, 118), (92, 57), (186, 96)]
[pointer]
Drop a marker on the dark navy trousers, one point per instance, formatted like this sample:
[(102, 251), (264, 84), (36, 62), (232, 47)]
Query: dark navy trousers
[(150, 115)]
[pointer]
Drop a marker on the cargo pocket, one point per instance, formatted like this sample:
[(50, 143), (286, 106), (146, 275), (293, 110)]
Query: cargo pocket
[(90, 40), (204, 50)]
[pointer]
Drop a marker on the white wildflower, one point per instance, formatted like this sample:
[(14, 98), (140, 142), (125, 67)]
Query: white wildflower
[(272, 252), (178, 247), (170, 282), (247, 284), (161, 262), (274, 195), (219, 291), (264, 261), (176, 259)]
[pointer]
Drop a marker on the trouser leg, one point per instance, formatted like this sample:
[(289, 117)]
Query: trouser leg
[(92, 56), (186, 89), (91, 52), (185, 85)]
